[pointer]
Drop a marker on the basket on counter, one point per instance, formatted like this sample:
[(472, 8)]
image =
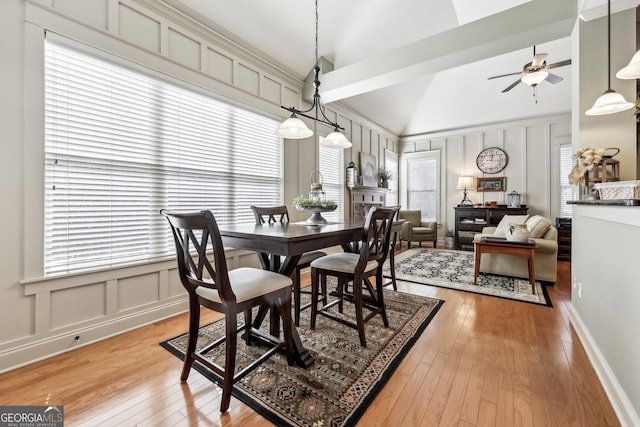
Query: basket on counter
[(618, 190)]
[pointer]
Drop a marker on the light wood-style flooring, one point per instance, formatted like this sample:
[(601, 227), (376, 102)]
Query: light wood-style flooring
[(483, 361)]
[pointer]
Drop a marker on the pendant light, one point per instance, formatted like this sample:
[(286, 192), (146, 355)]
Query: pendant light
[(610, 101), (631, 71), (294, 128)]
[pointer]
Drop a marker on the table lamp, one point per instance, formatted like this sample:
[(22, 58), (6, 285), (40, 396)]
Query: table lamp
[(465, 182)]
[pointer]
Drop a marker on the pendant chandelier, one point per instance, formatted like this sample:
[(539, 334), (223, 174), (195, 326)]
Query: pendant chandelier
[(610, 101), (294, 128)]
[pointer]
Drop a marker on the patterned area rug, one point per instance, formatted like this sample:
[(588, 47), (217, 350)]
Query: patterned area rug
[(345, 378), (454, 270)]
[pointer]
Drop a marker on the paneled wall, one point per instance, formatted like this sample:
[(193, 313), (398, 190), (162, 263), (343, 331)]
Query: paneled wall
[(532, 170), (47, 314)]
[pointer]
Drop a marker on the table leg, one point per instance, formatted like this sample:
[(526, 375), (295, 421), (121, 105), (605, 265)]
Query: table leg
[(532, 271), (476, 268)]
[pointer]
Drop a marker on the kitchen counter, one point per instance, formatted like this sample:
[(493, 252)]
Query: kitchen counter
[(614, 202)]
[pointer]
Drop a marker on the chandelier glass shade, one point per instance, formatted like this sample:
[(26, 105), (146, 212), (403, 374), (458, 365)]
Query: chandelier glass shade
[(294, 128), (631, 71), (610, 101)]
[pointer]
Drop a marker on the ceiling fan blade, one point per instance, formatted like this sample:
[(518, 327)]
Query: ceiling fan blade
[(514, 84), (552, 78), (560, 64), (538, 60), (505, 75)]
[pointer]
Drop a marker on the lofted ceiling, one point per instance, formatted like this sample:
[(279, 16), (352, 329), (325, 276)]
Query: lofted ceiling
[(413, 66)]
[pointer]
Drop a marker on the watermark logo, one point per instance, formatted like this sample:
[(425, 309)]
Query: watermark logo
[(31, 416)]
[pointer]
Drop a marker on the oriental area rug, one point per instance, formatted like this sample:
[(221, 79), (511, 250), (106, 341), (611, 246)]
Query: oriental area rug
[(454, 270), (345, 377)]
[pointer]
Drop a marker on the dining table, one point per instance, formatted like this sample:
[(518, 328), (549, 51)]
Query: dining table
[(275, 241)]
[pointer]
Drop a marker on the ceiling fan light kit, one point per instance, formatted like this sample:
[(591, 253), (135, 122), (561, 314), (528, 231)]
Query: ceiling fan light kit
[(610, 101), (535, 78)]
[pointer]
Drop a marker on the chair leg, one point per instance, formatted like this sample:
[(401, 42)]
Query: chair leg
[(231, 322), (434, 243), (247, 326), (314, 297), (357, 299), (380, 295), (194, 325), (420, 243), (408, 244)]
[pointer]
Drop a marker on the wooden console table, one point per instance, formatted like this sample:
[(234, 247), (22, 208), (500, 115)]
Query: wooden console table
[(471, 220)]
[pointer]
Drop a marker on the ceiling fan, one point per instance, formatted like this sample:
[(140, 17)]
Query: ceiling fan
[(535, 72)]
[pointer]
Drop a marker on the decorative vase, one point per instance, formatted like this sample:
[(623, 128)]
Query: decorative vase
[(517, 233), (384, 183)]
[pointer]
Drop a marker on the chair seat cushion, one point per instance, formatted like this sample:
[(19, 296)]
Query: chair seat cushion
[(422, 231), (247, 283), (343, 262), (308, 257)]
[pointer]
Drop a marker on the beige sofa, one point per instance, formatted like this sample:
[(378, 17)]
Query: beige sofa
[(546, 264)]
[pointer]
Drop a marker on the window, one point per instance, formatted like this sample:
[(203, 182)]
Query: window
[(391, 163), (566, 192), (331, 166), (421, 183), (121, 144)]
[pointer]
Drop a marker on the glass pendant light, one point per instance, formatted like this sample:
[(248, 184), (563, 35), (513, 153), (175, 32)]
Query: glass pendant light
[(610, 101), (631, 71), (293, 128)]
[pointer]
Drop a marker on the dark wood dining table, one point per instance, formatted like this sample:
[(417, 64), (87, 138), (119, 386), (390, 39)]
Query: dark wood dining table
[(290, 240)]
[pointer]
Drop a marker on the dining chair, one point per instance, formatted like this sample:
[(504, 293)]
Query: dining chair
[(357, 269), (203, 272), (280, 214), (393, 242)]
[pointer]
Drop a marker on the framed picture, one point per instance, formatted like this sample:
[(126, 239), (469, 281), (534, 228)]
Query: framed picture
[(369, 170), (492, 184)]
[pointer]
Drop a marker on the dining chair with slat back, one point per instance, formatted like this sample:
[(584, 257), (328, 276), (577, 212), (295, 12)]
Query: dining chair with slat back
[(280, 214), (202, 269), (358, 269)]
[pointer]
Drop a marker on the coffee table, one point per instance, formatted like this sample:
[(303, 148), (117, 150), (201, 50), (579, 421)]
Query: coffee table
[(496, 245)]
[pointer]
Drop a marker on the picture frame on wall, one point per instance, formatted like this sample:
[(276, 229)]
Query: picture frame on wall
[(491, 184), (369, 170)]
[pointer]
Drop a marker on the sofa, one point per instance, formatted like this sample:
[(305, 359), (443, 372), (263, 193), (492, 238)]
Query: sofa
[(416, 230), (546, 253)]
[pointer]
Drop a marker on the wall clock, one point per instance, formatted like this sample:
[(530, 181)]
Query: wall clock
[(492, 160)]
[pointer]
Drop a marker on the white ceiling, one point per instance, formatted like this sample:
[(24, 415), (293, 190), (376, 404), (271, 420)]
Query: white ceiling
[(413, 66)]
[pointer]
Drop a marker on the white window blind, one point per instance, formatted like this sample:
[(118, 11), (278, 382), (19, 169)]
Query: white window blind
[(121, 144), (422, 186), (566, 192), (391, 163), (332, 169)]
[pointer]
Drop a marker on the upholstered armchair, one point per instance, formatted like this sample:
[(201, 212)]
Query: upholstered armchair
[(416, 230)]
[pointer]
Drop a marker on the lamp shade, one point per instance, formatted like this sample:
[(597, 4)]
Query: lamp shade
[(608, 103), (293, 128), (465, 182), (336, 140), (534, 79), (631, 71)]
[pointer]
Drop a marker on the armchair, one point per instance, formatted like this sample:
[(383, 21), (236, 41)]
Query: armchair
[(415, 230)]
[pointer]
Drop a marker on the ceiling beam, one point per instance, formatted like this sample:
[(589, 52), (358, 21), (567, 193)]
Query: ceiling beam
[(535, 22)]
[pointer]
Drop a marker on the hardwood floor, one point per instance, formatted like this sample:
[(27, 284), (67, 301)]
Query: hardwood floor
[(483, 361)]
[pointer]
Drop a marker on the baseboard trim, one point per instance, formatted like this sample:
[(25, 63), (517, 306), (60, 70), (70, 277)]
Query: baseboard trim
[(627, 415), (53, 345)]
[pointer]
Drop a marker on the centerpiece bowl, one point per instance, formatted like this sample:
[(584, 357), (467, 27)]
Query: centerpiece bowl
[(316, 210)]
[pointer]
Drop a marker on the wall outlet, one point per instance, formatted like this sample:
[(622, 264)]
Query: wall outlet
[(579, 289)]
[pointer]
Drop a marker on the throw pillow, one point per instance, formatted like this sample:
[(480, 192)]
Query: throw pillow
[(538, 226), (509, 219)]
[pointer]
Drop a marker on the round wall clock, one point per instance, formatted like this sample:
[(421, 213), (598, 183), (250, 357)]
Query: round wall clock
[(492, 160)]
